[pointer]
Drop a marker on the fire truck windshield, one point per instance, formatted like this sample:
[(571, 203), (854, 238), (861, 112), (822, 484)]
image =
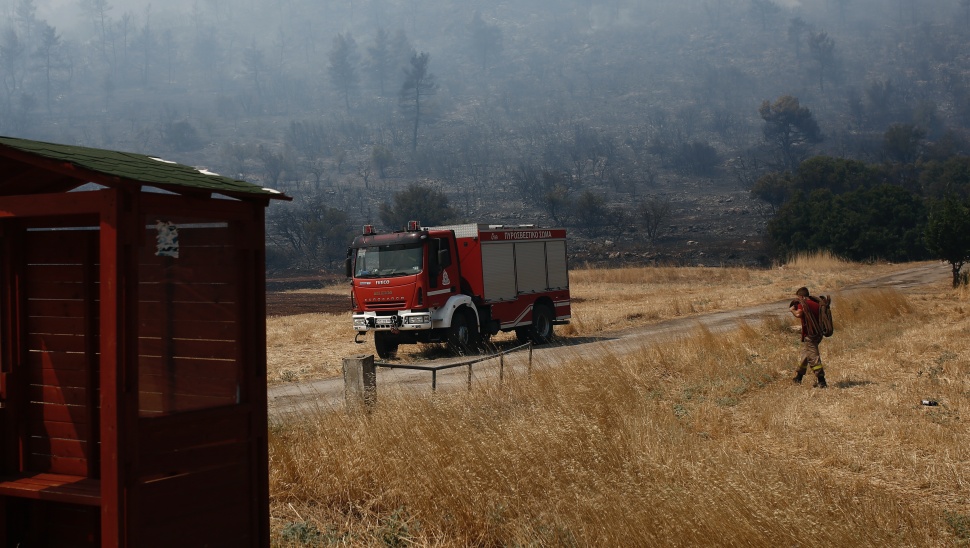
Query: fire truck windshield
[(389, 260)]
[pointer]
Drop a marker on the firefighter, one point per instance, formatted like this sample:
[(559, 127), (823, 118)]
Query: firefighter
[(806, 308)]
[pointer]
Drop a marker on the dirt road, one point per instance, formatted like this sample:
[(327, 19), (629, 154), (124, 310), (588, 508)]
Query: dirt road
[(328, 394)]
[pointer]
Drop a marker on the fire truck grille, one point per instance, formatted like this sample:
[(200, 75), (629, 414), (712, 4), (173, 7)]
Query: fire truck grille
[(385, 305)]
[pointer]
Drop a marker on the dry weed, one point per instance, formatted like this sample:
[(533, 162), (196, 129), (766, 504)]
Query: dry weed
[(609, 299), (818, 261), (696, 440), (312, 346)]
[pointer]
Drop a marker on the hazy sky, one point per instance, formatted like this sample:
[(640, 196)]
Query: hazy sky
[(65, 14), (59, 13)]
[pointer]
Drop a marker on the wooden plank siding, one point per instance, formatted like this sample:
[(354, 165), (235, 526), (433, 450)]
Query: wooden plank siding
[(51, 484), (61, 334), (188, 330), (195, 469)]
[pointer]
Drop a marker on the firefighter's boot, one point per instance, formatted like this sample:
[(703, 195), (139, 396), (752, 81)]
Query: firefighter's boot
[(820, 379), (798, 376)]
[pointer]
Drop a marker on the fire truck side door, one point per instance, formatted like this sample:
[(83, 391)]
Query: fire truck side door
[(444, 272)]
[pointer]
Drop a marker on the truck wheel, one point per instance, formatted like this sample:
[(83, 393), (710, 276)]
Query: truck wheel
[(385, 345), (462, 335), (541, 329)]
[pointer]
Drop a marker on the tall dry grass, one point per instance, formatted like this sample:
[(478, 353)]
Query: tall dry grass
[(817, 261), (613, 299), (311, 346), (696, 440)]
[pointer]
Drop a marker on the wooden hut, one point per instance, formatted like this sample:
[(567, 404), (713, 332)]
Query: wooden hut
[(132, 351)]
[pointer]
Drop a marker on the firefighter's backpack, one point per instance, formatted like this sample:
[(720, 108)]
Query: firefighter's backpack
[(825, 316)]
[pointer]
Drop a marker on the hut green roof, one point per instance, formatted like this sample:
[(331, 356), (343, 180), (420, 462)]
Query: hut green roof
[(32, 167)]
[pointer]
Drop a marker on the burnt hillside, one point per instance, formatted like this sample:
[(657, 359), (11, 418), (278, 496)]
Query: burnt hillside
[(636, 124)]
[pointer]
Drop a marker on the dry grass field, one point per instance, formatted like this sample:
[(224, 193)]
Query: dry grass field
[(311, 346), (699, 440)]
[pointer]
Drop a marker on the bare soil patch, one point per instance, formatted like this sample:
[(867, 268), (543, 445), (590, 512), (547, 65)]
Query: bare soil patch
[(283, 303)]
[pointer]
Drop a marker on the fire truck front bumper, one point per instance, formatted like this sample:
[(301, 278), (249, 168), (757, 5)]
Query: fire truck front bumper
[(402, 321)]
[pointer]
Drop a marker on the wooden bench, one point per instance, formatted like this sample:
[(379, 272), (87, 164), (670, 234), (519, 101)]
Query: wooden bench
[(53, 487)]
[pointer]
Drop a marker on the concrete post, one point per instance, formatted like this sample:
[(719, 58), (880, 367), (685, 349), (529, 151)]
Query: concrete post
[(360, 381)]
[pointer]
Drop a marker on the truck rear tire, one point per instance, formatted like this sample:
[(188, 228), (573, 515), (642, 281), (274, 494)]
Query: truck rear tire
[(541, 329), (463, 335), (385, 345)]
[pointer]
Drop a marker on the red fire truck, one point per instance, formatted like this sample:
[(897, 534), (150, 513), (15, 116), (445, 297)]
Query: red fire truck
[(458, 284)]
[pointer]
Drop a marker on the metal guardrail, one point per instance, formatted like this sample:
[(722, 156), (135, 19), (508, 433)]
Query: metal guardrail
[(435, 368)]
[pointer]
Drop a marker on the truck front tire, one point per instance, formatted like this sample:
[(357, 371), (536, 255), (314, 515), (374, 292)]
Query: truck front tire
[(462, 336), (385, 344)]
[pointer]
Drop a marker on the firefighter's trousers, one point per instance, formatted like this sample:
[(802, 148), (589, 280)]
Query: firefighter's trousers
[(809, 356)]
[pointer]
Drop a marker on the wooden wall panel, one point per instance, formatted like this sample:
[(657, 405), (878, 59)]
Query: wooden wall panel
[(40, 413), (195, 469), (211, 507), (188, 323), (180, 384), (190, 329), (57, 361), (61, 302), (55, 324), (189, 348), (187, 292), (158, 313), (56, 464)]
